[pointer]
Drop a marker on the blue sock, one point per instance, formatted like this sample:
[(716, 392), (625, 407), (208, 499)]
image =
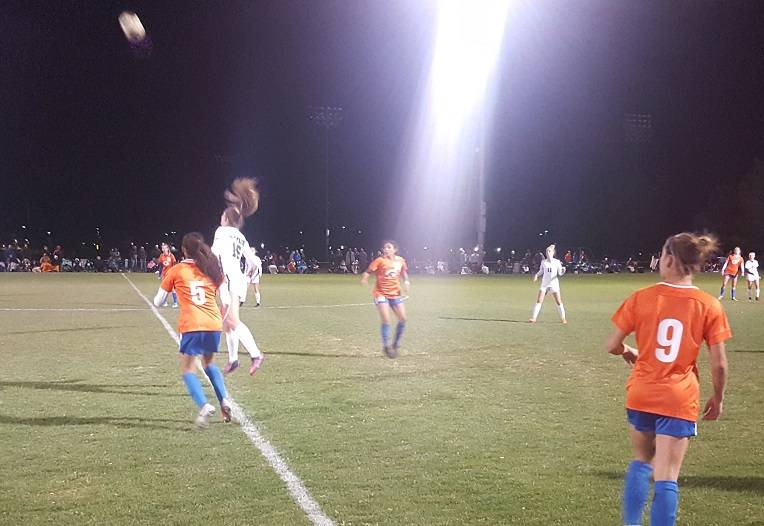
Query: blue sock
[(721, 292), (216, 377), (385, 333), (665, 503), (399, 332), (194, 387), (636, 486), (174, 298)]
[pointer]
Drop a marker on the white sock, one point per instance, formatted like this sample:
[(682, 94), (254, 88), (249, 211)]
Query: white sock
[(232, 342), (561, 310), (257, 297), (536, 310), (757, 293), (247, 340)]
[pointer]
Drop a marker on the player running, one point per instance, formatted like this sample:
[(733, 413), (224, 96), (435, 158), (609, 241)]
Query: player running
[(732, 268), (197, 279), (389, 269), (752, 275), (550, 271), (166, 262), (670, 320), (230, 246)]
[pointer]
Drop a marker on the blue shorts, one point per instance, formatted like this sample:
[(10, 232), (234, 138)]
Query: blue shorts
[(197, 343), (381, 300), (661, 425)]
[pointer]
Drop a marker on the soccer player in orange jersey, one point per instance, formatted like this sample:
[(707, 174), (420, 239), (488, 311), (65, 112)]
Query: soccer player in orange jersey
[(670, 320), (389, 269), (732, 268), (167, 261), (197, 279)]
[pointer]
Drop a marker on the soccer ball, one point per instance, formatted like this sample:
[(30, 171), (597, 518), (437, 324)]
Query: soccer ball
[(132, 27)]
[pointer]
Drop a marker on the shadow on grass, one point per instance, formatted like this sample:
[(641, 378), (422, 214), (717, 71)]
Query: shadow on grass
[(317, 355), (749, 483), (482, 319), (76, 387), (74, 329), (119, 422)]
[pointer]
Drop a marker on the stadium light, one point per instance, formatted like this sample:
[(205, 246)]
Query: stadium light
[(449, 133)]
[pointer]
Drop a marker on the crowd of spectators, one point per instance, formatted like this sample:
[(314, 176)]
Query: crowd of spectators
[(142, 258)]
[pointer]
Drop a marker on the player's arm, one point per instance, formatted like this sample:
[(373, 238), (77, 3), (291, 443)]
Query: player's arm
[(164, 289), (405, 278), (539, 273), (372, 268), (615, 345), (713, 408), (249, 259), (724, 267)]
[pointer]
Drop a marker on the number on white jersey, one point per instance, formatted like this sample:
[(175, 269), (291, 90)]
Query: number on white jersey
[(197, 292), (670, 343)]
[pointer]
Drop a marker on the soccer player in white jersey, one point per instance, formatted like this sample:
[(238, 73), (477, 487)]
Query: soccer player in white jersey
[(550, 271), (230, 246), (253, 275), (752, 275)]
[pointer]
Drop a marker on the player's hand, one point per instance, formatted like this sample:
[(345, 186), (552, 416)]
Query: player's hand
[(713, 409), (407, 287), (535, 279), (630, 354)]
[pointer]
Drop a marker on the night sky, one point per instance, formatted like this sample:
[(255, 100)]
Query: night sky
[(139, 142)]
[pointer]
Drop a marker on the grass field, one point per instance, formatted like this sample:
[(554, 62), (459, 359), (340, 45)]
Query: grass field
[(483, 419)]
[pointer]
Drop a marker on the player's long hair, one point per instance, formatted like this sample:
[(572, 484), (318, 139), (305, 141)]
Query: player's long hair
[(242, 200), (195, 248), (691, 250)]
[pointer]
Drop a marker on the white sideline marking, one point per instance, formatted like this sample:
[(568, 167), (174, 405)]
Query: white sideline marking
[(317, 306), (296, 488)]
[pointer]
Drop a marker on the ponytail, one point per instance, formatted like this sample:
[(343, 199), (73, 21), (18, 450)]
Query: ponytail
[(692, 250), (242, 200), (195, 248)]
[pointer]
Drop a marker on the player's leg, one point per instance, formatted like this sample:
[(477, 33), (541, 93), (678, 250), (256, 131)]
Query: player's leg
[(734, 286), (400, 311), (669, 455), (725, 279), (193, 385), (560, 306), (750, 287), (257, 293), (383, 308), (231, 338), (216, 379), (537, 307), (636, 486), (756, 286), (233, 325)]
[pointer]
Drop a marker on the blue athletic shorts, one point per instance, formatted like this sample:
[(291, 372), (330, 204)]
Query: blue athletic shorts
[(380, 300), (661, 425), (197, 343)]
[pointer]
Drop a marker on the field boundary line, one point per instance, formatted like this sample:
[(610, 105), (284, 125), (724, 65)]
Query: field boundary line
[(296, 488), (67, 309), (315, 306)]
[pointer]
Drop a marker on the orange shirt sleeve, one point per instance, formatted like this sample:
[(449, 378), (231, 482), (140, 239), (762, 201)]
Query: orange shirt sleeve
[(717, 328), (168, 280), (373, 266), (624, 317)]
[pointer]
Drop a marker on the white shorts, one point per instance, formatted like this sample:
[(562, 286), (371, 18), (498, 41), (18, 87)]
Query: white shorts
[(235, 284), (551, 287), (751, 278), (256, 276)]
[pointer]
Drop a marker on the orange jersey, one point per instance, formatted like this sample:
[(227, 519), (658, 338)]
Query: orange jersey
[(732, 266), (670, 323), (196, 295), (165, 262), (388, 273)]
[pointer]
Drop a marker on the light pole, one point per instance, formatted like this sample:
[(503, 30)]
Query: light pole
[(326, 117)]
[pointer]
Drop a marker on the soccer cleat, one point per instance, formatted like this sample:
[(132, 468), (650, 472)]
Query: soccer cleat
[(532, 320), (256, 363), (734, 299), (203, 420), (225, 410), (721, 297), (257, 304), (174, 305), (231, 367), (564, 322), (390, 352)]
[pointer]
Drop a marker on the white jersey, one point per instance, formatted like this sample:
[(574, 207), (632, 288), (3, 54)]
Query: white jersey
[(752, 270), (230, 246), (550, 272), (255, 271)]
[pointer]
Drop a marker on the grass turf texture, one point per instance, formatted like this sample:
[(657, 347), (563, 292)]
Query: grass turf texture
[(483, 419)]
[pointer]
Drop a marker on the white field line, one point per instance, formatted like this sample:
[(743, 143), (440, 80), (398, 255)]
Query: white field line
[(296, 488), (71, 309)]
